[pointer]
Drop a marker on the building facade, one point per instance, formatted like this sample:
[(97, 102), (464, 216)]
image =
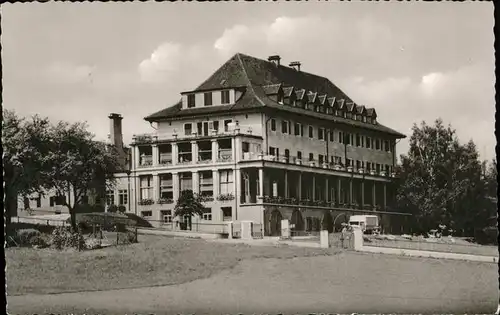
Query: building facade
[(262, 142)]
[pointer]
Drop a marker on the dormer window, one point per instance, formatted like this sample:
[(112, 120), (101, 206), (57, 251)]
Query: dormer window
[(191, 101), (208, 99), (224, 95)]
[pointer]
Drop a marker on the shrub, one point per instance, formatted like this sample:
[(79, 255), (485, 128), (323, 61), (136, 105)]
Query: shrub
[(24, 236), (63, 238), (122, 209), (113, 208)]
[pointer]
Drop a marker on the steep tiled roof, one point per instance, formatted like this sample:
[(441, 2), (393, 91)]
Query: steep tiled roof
[(272, 89), (300, 94), (370, 112), (312, 96), (287, 91), (360, 109), (322, 99), (257, 79), (350, 107)]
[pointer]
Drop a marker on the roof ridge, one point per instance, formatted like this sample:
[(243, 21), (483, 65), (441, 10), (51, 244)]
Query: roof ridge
[(248, 79)]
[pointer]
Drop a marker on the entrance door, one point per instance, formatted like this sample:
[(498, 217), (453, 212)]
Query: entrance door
[(276, 218)]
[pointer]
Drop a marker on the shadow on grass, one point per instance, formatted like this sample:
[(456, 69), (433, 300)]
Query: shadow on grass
[(154, 261)]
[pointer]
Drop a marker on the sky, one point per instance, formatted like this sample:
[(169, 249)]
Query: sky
[(411, 61)]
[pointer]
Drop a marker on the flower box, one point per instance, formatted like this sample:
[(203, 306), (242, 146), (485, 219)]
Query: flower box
[(163, 201), (349, 169), (146, 202), (225, 197)]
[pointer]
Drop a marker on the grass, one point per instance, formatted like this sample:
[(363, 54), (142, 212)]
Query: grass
[(155, 260)]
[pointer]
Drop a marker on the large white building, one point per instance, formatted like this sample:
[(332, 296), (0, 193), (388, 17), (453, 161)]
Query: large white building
[(263, 142)]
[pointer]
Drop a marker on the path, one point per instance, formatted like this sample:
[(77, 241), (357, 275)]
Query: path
[(345, 283)]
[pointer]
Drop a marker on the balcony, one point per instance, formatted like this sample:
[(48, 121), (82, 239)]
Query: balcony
[(225, 155), (165, 158), (145, 160)]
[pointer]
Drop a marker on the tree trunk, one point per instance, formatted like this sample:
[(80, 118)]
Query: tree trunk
[(72, 214)]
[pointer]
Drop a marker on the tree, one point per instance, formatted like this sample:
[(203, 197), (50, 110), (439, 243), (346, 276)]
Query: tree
[(440, 180), (25, 146), (188, 204), (79, 165)]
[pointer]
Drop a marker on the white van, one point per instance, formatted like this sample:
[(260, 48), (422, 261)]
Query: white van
[(367, 223)]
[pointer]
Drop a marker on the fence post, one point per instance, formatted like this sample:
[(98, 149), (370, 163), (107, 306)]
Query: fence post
[(229, 230), (357, 238), (323, 236)]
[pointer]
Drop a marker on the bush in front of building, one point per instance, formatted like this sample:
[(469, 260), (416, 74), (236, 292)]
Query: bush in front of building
[(63, 238)]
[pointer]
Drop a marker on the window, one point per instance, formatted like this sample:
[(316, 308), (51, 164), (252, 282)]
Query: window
[(224, 95), (377, 168), (166, 186), (284, 127), (341, 137), (206, 183), (272, 151), (349, 162), (226, 124), (321, 133), (207, 214), (358, 164), (311, 132), (298, 128), (146, 185), (191, 100), (186, 181), (377, 144), (216, 126), (273, 124), (227, 213), (368, 142), (387, 169), (347, 138), (368, 166), (147, 214), (245, 146), (26, 202), (338, 160), (226, 181), (122, 197), (110, 197), (358, 140), (311, 156), (364, 118), (332, 136), (332, 159), (320, 158), (199, 128), (166, 216), (387, 146), (208, 99), (39, 201), (188, 129), (299, 155)]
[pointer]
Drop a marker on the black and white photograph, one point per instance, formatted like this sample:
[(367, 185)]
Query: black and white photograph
[(235, 157)]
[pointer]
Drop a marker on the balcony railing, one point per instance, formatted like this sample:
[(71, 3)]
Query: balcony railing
[(145, 161), (225, 197), (163, 201), (225, 155), (146, 202)]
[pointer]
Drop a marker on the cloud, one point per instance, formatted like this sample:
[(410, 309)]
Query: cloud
[(463, 97), (164, 61), (67, 72)]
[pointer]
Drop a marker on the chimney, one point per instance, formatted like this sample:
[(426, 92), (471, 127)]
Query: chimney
[(295, 65), (116, 136), (274, 59)]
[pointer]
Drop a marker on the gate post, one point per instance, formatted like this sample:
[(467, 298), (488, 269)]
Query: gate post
[(229, 230), (323, 237), (285, 229)]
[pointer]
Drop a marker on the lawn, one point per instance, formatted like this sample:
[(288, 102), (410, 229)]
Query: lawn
[(155, 260)]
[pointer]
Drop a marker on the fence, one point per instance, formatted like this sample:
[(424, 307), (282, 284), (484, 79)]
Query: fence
[(196, 227), (41, 221), (257, 230), (437, 245)]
